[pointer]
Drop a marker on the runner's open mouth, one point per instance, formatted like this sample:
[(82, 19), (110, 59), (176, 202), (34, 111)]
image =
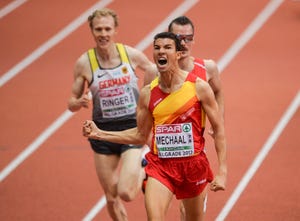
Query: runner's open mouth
[(162, 61)]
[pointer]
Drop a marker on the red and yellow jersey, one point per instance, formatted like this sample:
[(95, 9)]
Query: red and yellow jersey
[(178, 120)]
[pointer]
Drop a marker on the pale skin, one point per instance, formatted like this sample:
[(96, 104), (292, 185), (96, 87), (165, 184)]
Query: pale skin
[(171, 78), (116, 185)]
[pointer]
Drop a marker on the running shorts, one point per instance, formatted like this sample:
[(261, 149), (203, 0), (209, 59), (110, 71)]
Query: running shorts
[(186, 177)]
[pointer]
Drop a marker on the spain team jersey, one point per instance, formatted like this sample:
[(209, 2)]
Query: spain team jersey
[(115, 90), (178, 120)]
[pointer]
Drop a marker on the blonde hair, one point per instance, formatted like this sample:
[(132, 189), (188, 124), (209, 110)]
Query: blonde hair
[(103, 12)]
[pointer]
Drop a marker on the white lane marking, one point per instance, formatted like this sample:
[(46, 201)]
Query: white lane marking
[(35, 144), (98, 207), (10, 7), (14, 71), (260, 158), (245, 37)]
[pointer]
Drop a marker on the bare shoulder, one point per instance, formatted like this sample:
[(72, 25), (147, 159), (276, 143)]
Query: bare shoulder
[(82, 61), (211, 67), (82, 67), (209, 63), (136, 56), (201, 84), (132, 52), (202, 88)]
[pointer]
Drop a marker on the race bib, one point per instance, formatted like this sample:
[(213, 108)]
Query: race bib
[(117, 102), (174, 140)]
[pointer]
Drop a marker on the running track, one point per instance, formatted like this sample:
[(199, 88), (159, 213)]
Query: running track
[(46, 166)]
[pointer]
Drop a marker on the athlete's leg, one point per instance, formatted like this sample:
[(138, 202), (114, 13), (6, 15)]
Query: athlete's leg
[(107, 171), (157, 200), (131, 174), (195, 207)]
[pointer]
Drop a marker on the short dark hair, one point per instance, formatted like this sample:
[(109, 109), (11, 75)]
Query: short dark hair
[(181, 20), (172, 36)]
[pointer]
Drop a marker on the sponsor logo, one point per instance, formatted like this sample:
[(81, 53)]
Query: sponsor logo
[(201, 182)]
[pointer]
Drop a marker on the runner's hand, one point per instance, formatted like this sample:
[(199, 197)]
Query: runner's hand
[(90, 130), (85, 99), (218, 183)]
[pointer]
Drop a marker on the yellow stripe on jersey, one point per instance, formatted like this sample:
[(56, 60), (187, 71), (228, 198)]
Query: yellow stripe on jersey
[(179, 100), (123, 54), (93, 59), (154, 83)]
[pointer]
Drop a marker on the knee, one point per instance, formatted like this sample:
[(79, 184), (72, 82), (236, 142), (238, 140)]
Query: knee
[(126, 194), (111, 202)]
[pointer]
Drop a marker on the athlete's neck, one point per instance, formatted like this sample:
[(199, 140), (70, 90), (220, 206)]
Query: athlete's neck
[(172, 80), (108, 57), (187, 63)]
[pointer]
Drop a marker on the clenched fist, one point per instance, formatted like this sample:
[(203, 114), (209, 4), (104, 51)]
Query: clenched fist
[(90, 130)]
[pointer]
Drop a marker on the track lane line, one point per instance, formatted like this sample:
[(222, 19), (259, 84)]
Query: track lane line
[(260, 157), (14, 71), (35, 144), (245, 37), (258, 22), (95, 210), (10, 7)]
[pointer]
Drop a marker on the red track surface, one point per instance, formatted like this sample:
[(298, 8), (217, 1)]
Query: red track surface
[(58, 181)]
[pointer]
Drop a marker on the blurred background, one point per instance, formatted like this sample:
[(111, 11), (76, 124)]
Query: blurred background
[(46, 165)]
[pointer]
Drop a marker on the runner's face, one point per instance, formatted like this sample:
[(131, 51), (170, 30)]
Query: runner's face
[(185, 33), (103, 30), (165, 55)]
